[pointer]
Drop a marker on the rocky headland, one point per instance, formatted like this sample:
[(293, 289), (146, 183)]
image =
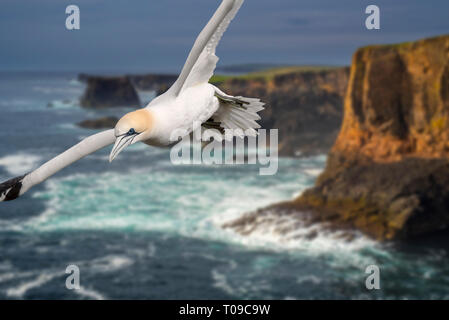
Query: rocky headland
[(387, 174)]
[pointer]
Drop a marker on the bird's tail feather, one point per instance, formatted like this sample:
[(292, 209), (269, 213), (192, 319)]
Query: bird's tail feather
[(238, 113), (10, 189)]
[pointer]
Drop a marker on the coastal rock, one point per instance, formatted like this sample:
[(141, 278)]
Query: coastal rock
[(306, 106), (100, 123), (388, 171), (102, 92)]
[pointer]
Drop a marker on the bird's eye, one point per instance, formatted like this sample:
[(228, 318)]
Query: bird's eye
[(131, 132)]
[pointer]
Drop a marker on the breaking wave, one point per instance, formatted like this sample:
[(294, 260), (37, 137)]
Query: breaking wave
[(189, 204), (18, 164)]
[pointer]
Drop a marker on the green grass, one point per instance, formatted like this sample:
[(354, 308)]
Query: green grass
[(269, 74), (407, 44)]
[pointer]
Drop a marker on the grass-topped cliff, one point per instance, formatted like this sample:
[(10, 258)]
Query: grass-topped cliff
[(270, 73)]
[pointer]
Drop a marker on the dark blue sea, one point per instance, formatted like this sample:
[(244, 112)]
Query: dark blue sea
[(143, 228)]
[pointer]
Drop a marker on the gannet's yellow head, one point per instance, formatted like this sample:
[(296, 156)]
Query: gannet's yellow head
[(131, 128)]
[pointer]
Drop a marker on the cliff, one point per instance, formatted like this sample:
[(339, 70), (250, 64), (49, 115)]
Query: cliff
[(304, 103), (102, 92), (388, 171)]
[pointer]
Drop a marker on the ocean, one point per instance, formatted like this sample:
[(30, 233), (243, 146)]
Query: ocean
[(142, 228)]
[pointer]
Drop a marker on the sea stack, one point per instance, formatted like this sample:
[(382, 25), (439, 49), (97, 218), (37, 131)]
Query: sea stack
[(103, 92)]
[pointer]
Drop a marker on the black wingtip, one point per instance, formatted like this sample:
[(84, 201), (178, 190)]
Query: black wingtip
[(10, 190)]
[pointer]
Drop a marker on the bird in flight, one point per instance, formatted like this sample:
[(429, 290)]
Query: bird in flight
[(189, 103)]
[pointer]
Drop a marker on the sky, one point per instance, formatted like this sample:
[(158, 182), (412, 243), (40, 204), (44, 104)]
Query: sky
[(156, 36)]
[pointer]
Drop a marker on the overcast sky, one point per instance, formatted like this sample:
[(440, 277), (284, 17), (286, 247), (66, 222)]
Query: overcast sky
[(156, 35)]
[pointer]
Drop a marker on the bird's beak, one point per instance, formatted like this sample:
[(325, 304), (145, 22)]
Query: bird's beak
[(120, 143)]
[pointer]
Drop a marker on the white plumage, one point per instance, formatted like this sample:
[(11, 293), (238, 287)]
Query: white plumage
[(189, 103)]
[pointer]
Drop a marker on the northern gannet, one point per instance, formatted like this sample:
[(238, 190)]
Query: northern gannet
[(191, 101)]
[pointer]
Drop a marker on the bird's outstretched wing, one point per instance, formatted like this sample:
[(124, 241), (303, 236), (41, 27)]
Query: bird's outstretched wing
[(201, 62), (13, 188)]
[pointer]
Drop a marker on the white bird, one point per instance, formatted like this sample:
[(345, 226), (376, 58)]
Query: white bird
[(190, 100)]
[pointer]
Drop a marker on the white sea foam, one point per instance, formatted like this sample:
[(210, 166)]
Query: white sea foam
[(189, 204), (89, 293), (63, 104), (18, 164), (10, 275), (67, 126), (193, 204), (315, 172), (104, 264), (221, 282), (285, 233), (76, 82), (308, 278), (20, 290), (110, 263), (7, 276), (252, 286)]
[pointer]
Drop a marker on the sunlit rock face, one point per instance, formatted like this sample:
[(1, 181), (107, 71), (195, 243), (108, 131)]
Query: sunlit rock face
[(397, 103), (387, 174)]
